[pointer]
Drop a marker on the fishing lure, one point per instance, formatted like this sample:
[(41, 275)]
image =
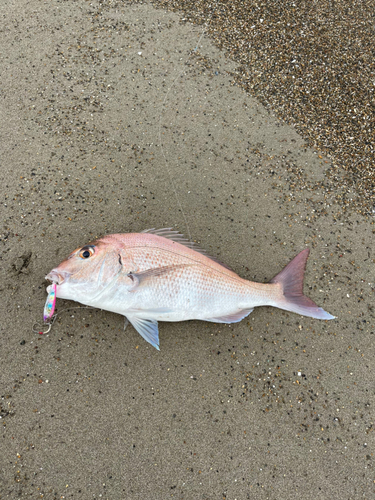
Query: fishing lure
[(49, 307)]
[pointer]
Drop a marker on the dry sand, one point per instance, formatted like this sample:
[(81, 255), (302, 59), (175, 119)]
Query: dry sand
[(110, 122)]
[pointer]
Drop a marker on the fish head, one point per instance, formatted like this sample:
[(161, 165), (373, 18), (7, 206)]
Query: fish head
[(87, 272)]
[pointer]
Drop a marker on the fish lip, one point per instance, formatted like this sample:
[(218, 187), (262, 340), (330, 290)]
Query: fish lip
[(57, 277)]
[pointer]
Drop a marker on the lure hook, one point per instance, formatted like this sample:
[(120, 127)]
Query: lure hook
[(38, 328)]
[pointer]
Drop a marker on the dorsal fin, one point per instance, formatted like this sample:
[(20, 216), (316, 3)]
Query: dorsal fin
[(170, 234)]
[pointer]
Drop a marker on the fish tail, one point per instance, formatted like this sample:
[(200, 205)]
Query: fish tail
[(291, 281)]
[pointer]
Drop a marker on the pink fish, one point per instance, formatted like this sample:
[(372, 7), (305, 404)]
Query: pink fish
[(157, 275)]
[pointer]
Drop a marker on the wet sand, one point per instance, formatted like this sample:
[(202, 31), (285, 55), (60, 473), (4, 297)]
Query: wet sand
[(111, 121)]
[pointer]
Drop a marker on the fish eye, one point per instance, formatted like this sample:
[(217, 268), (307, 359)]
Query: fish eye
[(86, 252)]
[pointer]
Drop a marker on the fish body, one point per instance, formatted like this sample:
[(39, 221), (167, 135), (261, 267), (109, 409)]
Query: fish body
[(157, 275)]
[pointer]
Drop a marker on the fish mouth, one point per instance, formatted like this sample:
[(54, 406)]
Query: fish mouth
[(57, 277)]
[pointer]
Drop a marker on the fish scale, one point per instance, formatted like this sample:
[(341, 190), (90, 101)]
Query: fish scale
[(157, 275)]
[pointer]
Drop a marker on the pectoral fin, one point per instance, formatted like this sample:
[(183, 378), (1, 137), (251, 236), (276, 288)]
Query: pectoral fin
[(148, 328), (144, 277)]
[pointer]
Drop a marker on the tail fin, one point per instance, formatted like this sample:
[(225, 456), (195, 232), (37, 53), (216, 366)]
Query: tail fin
[(291, 281)]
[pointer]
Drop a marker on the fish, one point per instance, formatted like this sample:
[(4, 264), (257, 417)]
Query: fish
[(158, 275)]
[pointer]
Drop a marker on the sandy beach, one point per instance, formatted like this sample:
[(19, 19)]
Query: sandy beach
[(116, 117)]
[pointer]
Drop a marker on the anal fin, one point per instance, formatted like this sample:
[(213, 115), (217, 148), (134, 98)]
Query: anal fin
[(232, 318)]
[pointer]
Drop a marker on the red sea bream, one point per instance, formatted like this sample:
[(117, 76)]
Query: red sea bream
[(157, 275)]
